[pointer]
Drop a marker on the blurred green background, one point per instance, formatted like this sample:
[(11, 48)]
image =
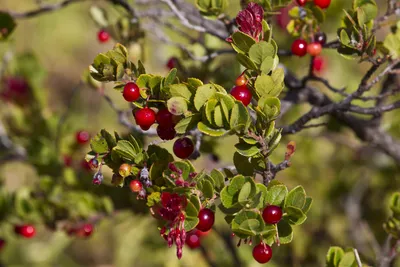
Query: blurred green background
[(331, 163)]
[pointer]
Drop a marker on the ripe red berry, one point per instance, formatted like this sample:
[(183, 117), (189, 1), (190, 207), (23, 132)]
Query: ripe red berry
[(25, 230), (272, 214), (82, 137), (67, 160), (242, 93), (183, 147), (299, 47), (145, 117), (318, 64), (166, 133), (103, 36), (262, 253), (320, 37), (314, 49), (241, 80), (131, 92), (135, 186), (193, 240), (201, 234), (2, 243), (85, 230), (322, 3), (206, 220), (93, 164), (301, 2), (173, 62), (165, 118)]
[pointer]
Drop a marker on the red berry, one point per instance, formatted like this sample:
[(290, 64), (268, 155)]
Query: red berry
[(272, 214), (131, 92), (262, 253), (283, 17), (320, 37), (82, 137), (242, 93), (314, 49), (241, 80), (26, 230), (85, 165), (93, 164), (136, 186), (318, 64), (165, 118), (193, 240), (145, 117), (16, 89), (173, 62), (2, 243), (201, 234), (301, 2), (322, 3), (67, 160), (166, 133), (299, 47), (183, 147), (103, 36), (85, 231), (206, 220)]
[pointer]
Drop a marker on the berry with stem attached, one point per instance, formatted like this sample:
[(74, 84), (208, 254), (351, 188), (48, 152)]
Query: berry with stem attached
[(136, 186), (301, 2), (82, 137), (322, 3), (103, 36), (262, 253), (272, 214), (206, 220), (320, 37), (314, 49), (145, 117), (242, 93), (25, 230), (131, 92), (299, 47), (183, 147)]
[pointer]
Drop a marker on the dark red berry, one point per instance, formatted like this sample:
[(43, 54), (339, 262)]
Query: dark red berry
[(242, 93), (165, 118), (103, 36), (206, 220), (85, 230), (241, 80), (82, 137), (25, 230), (322, 3), (320, 37), (93, 164), (173, 62), (301, 2), (183, 147), (193, 240), (145, 117), (67, 160), (166, 133), (85, 165), (16, 89), (272, 214), (135, 186), (262, 253), (2, 243), (201, 234), (314, 49), (299, 47), (131, 92), (318, 64)]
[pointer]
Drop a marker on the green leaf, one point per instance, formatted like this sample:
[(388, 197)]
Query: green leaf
[(242, 164), (203, 94), (307, 205), (244, 193), (170, 77), (187, 123), (209, 110), (348, 260), (99, 144), (334, 256), (344, 37), (230, 194), (190, 223), (218, 178), (246, 62), (285, 232), (180, 90), (7, 25), (99, 16), (267, 65), (125, 150), (263, 190), (261, 51), (191, 210), (239, 115), (207, 189), (141, 69), (177, 105), (210, 131), (296, 197), (318, 13), (247, 223), (264, 85), (247, 150), (143, 80), (218, 117), (194, 82), (137, 144), (196, 202), (276, 195), (243, 41), (294, 215)]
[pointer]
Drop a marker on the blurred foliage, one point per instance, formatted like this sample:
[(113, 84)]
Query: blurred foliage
[(328, 162)]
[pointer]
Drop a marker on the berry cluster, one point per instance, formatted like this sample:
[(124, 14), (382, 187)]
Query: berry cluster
[(300, 47)]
